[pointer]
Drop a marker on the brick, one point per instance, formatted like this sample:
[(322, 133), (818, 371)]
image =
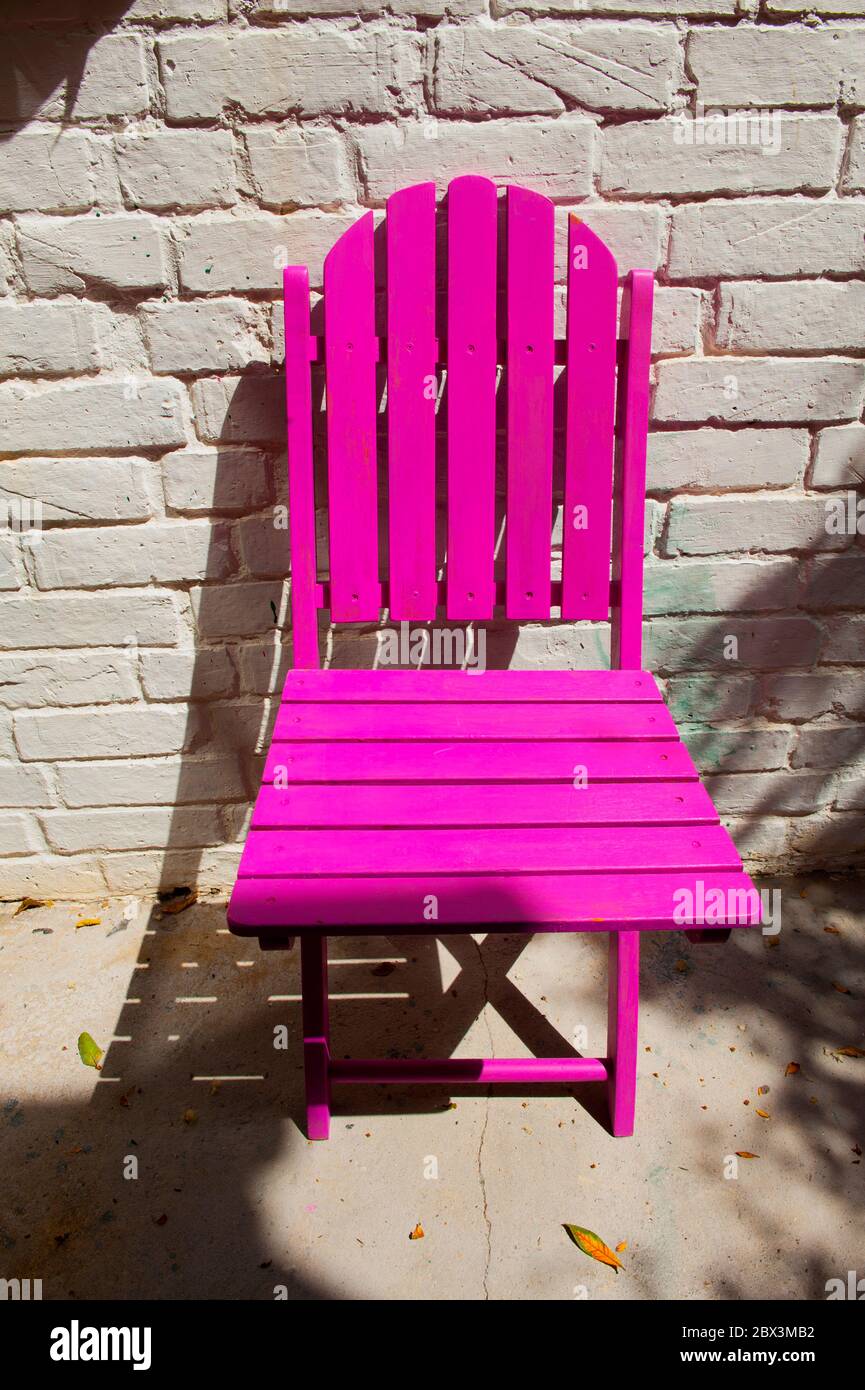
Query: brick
[(9, 565), (87, 254), (245, 728), (264, 546), (216, 480), (87, 620), (298, 71), (47, 171), (207, 335), (806, 695), (816, 316), (672, 156), (552, 157), (766, 237), (300, 167), (664, 9), (152, 730), (825, 840), (709, 697), (633, 234), (35, 679), (840, 460), (710, 525), (263, 666), (187, 674), (47, 339), (53, 876), (167, 552), (784, 66), (537, 68), (854, 174), (763, 644), (93, 489), (98, 415), (845, 640), (816, 7), (766, 390), (708, 460), (24, 786), (177, 168), (778, 793), (426, 9), (7, 263), (167, 10), (721, 586), (838, 746), (238, 610), (242, 410), (851, 796), (222, 254), (150, 781), (742, 750), (835, 581), (676, 321), (144, 827), (103, 78), (18, 833)]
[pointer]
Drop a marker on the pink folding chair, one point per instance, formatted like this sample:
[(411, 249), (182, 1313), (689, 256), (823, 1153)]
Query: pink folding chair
[(438, 801)]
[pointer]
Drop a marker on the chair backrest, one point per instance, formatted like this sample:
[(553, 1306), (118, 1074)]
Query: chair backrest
[(486, 302)]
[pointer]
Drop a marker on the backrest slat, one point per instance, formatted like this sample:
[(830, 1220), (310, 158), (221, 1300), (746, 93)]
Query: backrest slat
[(351, 351), (411, 402), (632, 411), (529, 376), (471, 397), (591, 376)]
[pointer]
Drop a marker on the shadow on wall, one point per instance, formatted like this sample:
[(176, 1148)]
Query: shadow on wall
[(44, 57)]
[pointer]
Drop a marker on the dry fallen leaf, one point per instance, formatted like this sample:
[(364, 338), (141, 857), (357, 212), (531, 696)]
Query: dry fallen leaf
[(190, 1117), (622, 1245), (175, 900), (764, 1114), (743, 1153), (681, 966), (593, 1246), (850, 1051), (417, 1233), (27, 903), (792, 1068), (842, 989), (832, 931), (762, 1090), (88, 922)]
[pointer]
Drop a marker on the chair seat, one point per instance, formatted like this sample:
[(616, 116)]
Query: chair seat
[(450, 801)]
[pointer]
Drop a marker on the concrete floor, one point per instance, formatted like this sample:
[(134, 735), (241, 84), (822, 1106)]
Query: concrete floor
[(231, 1201)]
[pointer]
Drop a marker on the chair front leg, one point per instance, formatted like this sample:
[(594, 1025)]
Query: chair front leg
[(316, 1033), (624, 991)]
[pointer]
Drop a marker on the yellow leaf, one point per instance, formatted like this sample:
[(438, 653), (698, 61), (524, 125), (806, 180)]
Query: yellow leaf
[(762, 1090), (792, 1068), (27, 903), (743, 1153), (592, 1245), (764, 1114), (417, 1233), (622, 1245), (90, 1054), (88, 922)]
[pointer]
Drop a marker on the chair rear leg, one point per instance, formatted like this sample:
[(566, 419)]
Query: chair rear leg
[(316, 1033), (622, 1014)]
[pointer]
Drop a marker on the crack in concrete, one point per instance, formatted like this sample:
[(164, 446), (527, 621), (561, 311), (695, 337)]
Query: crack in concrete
[(481, 1179)]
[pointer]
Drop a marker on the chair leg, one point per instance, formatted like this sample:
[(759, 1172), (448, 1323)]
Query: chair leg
[(624, 993), (316, 1033)]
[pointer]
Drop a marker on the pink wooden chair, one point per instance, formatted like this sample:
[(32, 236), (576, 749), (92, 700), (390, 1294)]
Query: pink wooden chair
[(437, 801)]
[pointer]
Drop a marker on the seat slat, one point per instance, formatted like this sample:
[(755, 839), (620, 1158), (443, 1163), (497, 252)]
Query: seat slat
[(461, 688), (500, 849), (405, 761), (351, 350), (590, 382), (496, 803), (567, 902), (411, 402), (487, 721), (471, 397), (530, 360)]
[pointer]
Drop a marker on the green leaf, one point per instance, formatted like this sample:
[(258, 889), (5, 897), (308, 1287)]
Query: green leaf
[(90, 1054), (592, 1245)]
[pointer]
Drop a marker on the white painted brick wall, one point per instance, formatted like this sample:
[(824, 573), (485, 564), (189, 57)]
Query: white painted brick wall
[(157, 172)]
